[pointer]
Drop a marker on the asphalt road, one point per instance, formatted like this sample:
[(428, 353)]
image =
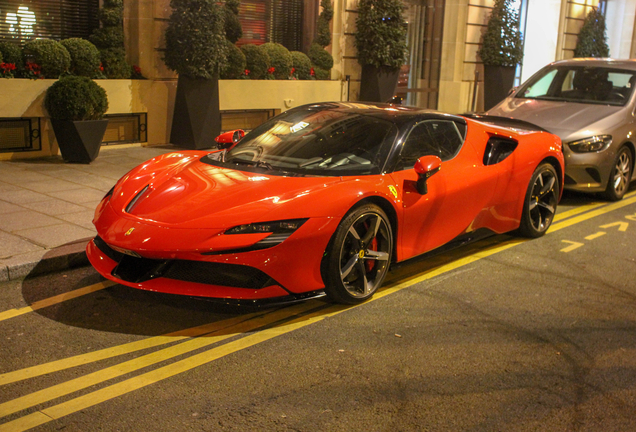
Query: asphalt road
[(501, 335)]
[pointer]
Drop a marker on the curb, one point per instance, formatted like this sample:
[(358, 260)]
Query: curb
[(68, 256)]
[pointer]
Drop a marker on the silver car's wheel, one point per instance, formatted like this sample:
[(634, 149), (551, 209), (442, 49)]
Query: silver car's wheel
[(620, 176), (359, 256), (541, 202)]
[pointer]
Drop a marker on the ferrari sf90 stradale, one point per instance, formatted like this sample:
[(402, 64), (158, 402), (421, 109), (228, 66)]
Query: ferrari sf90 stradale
[(322, 199)]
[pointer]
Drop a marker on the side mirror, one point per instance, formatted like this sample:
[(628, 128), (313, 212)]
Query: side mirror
[(228, 139), (425, 167)]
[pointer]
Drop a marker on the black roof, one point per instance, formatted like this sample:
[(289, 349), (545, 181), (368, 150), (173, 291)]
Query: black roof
[(397, 114)]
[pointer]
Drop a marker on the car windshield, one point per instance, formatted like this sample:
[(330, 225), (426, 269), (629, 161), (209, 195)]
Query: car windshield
[(582, 84), (315, 140)]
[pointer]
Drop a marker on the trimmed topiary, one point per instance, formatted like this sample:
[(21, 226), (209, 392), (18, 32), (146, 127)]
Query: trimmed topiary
[(234, 67), (279, 58), (592, 41), (195, 38), (50, 55), (302, 64), (108, 37), (114, 63), (256, 61), (320, 57), (85, 57), (233, 28), (502, 43), (381, 34), (112, 16), (322, 74), (323, 36), (76, 98)]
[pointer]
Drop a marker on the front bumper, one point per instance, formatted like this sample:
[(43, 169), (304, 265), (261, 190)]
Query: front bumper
[(588, 172), (290, 269)]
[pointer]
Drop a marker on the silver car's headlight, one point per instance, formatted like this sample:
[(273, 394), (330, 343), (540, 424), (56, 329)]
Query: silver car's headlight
[(591, 144)]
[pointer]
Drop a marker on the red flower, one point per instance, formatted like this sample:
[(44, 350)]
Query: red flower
[(292, 71), (312, 72), (271, 70), (137, 69), (101, 67), (247, 72)]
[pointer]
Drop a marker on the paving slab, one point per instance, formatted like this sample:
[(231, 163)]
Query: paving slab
[(47, 207)]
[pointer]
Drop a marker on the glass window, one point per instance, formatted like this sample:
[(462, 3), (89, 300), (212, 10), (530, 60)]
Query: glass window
[(440, 138), (583, 84), (278, 21), (315, 141), (21, 20)]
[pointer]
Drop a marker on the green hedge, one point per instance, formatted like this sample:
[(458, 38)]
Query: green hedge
[(256, 61), (320, 57), (51, 56), (85, 57), (302, 64), (234, 67), (114, 63), (76, 98), (279, 58)]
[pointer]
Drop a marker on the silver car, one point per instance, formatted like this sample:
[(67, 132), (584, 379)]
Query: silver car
[(590, 105)]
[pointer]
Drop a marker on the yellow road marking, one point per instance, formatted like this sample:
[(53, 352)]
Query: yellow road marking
[(239, 327), (622, 226), (94, 398), (55, 300), (82, 359), (594, 236), (594, 213), (573, 245), (577, 210)]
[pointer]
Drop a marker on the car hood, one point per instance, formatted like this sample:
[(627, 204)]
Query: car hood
[(560, 118), (198, 195)]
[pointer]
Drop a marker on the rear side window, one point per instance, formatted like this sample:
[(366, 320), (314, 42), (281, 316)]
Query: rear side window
[(441, 138)]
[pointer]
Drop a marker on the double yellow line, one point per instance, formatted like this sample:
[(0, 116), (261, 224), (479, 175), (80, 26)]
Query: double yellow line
[(266, 325)]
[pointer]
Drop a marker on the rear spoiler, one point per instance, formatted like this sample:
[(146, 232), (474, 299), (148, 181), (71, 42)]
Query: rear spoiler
[(505, 122)]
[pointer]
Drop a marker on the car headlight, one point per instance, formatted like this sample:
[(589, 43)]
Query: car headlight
[(591, 144), (277, 227)]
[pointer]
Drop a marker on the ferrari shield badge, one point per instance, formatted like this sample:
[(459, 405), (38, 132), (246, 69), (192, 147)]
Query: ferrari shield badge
[(129, 232), (393, 190)]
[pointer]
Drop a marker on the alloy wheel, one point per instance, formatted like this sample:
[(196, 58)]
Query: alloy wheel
[(543, 200), (622, 171), (365, 254)]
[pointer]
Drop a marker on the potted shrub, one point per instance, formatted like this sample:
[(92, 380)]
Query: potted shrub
[(195, 49), (76, 105), (233, 29), (321, 61), (501, 52), (381, 46), (592, 41)]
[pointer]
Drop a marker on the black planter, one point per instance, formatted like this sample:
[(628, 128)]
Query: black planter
[(378, 84), (498, 80), (79, 141), (196, 120)]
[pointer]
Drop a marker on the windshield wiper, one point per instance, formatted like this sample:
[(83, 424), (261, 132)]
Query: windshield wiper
[(259, 164)]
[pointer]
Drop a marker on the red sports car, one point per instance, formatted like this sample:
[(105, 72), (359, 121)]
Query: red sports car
[(322, 199)]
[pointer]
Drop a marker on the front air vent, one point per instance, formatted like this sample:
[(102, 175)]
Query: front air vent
[(135, 200)]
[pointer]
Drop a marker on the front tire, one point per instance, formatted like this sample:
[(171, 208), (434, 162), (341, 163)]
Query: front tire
[(620, 176), (540, 202), (359, 255)]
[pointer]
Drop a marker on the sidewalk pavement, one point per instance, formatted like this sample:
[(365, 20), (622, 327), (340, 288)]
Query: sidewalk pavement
[(47, 206)]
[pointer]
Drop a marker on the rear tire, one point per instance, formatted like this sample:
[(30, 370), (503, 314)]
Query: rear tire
[(541, 202), (358, 257), (620, 175)]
